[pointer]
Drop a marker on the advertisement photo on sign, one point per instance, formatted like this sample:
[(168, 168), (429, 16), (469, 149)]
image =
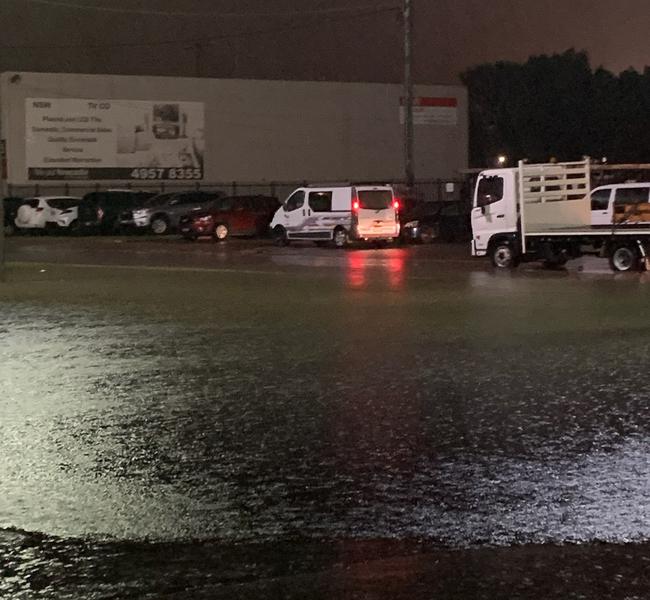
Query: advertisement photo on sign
[(70, 138)]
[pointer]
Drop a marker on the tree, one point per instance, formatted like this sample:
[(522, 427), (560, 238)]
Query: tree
[(557, 106)]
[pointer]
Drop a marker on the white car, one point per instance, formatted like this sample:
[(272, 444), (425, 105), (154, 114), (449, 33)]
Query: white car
[(610, 200), (46, 212)]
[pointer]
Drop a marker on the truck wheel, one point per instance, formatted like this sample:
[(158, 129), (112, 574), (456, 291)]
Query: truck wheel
[(280, 236), (340, 237), (623, 258), (159, 225), (221, 232), (503, 256)]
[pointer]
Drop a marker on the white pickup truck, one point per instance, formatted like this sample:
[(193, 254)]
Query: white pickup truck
[(542, 212)]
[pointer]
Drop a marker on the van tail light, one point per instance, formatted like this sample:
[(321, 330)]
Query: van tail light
[(396, 204), (355, 205)]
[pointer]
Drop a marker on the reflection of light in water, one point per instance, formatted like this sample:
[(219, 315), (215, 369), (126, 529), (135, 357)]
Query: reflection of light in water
[(356, 275), (395, 265), (391, 263)]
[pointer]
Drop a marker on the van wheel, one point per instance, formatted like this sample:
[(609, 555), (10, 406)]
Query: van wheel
[(159, 225), (280, 236), (340, 237), (221, 232), (623, 258), (10, 229), (503, 256)]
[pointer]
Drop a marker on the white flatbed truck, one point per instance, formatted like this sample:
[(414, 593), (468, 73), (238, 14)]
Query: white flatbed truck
[(542, 212)]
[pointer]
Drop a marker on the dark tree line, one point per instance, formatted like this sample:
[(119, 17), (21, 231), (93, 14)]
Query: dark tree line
[(557, 106)]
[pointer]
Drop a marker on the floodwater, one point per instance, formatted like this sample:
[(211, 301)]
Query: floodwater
[(370, 399)]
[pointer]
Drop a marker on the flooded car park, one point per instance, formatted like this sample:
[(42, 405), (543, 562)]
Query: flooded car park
[(292, 410)]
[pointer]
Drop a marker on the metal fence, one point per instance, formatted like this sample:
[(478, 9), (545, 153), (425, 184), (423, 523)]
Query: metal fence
[(454, 191)]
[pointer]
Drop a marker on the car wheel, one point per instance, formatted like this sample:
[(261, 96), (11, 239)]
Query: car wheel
[(159, 225), (221, 232), (503, 256), (340, 237), (623, 258), (74, 228), (427, 235), (280, 236)]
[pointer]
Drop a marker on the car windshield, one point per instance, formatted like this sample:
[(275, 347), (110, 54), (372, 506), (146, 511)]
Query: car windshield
[(375, 199), (158, 200), (63, 203)]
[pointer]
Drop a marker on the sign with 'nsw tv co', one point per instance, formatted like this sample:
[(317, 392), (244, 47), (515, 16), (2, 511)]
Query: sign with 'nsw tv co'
[(91, 139)]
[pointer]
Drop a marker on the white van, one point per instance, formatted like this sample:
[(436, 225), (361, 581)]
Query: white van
[(608, 200), (338, 213)]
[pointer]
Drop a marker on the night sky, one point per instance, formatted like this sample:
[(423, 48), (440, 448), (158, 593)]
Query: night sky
[(450, 35)]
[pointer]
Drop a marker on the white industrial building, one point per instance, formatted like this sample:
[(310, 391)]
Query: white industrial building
[(110, 129)]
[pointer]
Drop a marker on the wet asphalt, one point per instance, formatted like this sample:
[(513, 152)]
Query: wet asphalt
[(223, 418)]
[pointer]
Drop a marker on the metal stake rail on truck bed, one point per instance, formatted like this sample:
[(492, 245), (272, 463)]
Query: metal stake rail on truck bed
[(553, 182)]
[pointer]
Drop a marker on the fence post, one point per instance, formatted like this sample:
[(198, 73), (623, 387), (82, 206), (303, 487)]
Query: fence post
[(272, 188), (234, 188)]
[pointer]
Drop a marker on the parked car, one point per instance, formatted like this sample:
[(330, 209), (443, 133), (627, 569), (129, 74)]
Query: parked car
[(11, 205), (420, 221), (100, 212), (339, 214), (233, 215), (423, 222), (48, 212), (162, 213), (611, 203)]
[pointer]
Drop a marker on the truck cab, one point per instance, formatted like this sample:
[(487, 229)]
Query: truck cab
[(494, 208)]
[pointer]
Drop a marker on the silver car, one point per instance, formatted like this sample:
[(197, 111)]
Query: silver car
[(161, 214)]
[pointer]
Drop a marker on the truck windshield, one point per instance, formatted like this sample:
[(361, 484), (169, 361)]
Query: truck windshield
[(375, 199)]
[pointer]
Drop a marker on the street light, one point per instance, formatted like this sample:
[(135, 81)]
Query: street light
[(502, 159)]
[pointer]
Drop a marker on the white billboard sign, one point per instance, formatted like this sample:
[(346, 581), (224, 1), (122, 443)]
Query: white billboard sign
[(432, 111), (82, 139)]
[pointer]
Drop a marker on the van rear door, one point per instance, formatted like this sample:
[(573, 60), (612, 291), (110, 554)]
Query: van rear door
[(376, 213)]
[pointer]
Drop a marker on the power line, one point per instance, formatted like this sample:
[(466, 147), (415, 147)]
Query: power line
[(202, 15), (206, 40)]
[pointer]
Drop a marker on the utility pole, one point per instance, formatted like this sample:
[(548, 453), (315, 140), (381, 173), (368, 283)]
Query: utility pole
[(2, 234), (198, 55), (408, 95)]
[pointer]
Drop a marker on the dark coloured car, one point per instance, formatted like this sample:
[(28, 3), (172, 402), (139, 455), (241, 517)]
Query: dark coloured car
[(162, 213), (423, 222), (233, 215), (11, 205), (100, 212)]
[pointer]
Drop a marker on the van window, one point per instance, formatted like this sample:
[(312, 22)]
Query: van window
[(375, 199), (490, 190), (631, 195), (296, 200), (320, 201), (600, 199)]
